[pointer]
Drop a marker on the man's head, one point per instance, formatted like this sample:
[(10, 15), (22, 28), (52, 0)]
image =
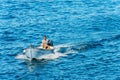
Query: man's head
[(45, 37)]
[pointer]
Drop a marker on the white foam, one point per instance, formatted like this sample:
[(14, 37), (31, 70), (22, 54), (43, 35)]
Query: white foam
[(52, 56), (56, 54)]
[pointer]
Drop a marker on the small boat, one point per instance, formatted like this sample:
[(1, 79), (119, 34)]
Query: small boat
[(34, 53)]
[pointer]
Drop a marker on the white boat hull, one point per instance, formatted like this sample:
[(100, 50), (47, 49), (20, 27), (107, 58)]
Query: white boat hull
[(35, 53)]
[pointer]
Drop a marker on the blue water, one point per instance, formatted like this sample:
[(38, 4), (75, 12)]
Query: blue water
[(89, 30)]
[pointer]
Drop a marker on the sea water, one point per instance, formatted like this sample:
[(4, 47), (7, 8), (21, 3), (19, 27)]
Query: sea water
[(86, 35)]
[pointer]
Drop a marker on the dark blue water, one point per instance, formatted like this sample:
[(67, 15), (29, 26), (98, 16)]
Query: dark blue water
[(91, 27)]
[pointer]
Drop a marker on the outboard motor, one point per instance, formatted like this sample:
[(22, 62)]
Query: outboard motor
[(50, 43)]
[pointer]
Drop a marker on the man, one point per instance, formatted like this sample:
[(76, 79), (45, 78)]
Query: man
[(45, 43)]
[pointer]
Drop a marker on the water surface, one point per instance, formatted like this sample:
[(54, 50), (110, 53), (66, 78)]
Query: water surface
[(86, 31)]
